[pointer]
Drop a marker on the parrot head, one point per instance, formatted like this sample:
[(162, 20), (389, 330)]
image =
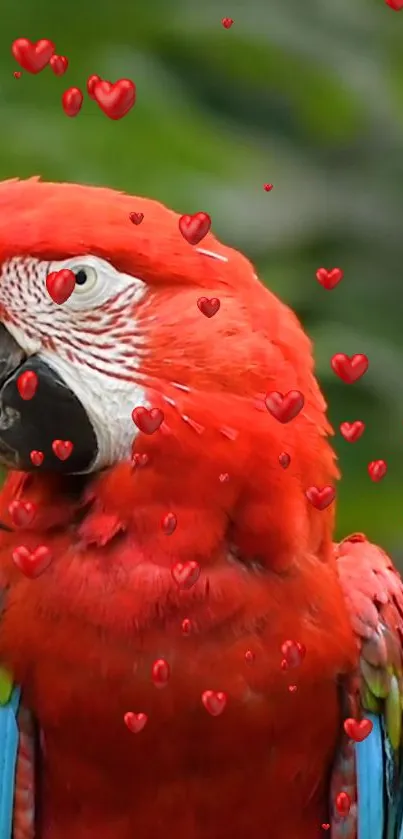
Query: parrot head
[(131, 335)]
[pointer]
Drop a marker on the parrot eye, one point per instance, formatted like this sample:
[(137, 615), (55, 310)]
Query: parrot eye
[(86, 278)]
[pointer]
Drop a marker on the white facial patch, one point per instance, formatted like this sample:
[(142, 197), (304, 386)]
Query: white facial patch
[(92, 340)]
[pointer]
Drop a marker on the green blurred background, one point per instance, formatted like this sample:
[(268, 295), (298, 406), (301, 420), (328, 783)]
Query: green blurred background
[(306, 95)]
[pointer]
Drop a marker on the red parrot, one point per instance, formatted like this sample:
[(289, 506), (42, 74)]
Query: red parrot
[(188, 681)]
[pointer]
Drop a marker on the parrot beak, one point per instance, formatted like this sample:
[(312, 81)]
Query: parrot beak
[(53, 413)]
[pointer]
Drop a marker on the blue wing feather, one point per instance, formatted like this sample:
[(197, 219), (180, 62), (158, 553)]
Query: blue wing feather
[(8, 758)]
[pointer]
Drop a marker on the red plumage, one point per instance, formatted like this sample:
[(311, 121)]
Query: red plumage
[(81, 639)]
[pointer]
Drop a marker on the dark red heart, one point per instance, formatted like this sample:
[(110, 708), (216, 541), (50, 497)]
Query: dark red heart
[(194, 228), (147, 421), (60, 285), (59, 64), (284, 407), (208, 307), (329, 279), (32, 563), (349, 369), (320, 498), (62, 449), (135, 722), (22, 513), (32, 56), (186, 574), (284, 460), (72, 101), (358, 730), (352, 431), (136, 218), (27, 384), (214, 701), (160, 673), (117, 99), (227, 22), (267, 187), (36, 457)]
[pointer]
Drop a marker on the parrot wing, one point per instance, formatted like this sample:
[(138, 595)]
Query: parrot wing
[(370, 771)]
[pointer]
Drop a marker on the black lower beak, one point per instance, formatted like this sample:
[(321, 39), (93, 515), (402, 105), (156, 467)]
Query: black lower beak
[(53, 413)]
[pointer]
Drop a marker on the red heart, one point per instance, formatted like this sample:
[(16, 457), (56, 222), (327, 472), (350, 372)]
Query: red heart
[(91, 82), (223, 478), (72, 101), (294, 654), (62, 448), (136, 218), (349, 369), (115, 100), (396, 5), (186, 574), (160, 673), (27, 384), (17, 74), (250, 656), (352, 431), (169, 523), (227, 22), (292, 688), (34, 563), (148, 421), (320, 498), (22, 513), (194, 228), (186, 626), (377, 469), (59, 64), (267, 187), (357, 730), (209, 307), (60, 285), (343, 803), (284, 407), (214, 701), (329, 279), (139, 460), (36, 457), (284, 460), (33, 57), (135, 722)]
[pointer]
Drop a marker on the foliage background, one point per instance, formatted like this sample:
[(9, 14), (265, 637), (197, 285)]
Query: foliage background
[(305, 95)]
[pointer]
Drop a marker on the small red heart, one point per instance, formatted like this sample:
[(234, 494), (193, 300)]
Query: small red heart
[(208, 307), (284, 407), (62, 449), (115, 100), (377, 469), (17, 74), (214, 701), (160, 673), (320, 498), (326, 826), (223, 478), (284, 460), (292, 688), (250, 656), (59, 64), (136, 218), (186, 626), (32, 56), (27, 384), (135, 722), (293, 652), (147, 421), (349, 369), (72, 101), (329, 279), (352, 431), (396, 5), (169, 523), (268, 187), (343, 803), (186, 574), (227, 22), (91, 82), (22, 513), (140, 460), (60, 285), (34, 563), (194, 228), (36, 457), (358, 730)]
